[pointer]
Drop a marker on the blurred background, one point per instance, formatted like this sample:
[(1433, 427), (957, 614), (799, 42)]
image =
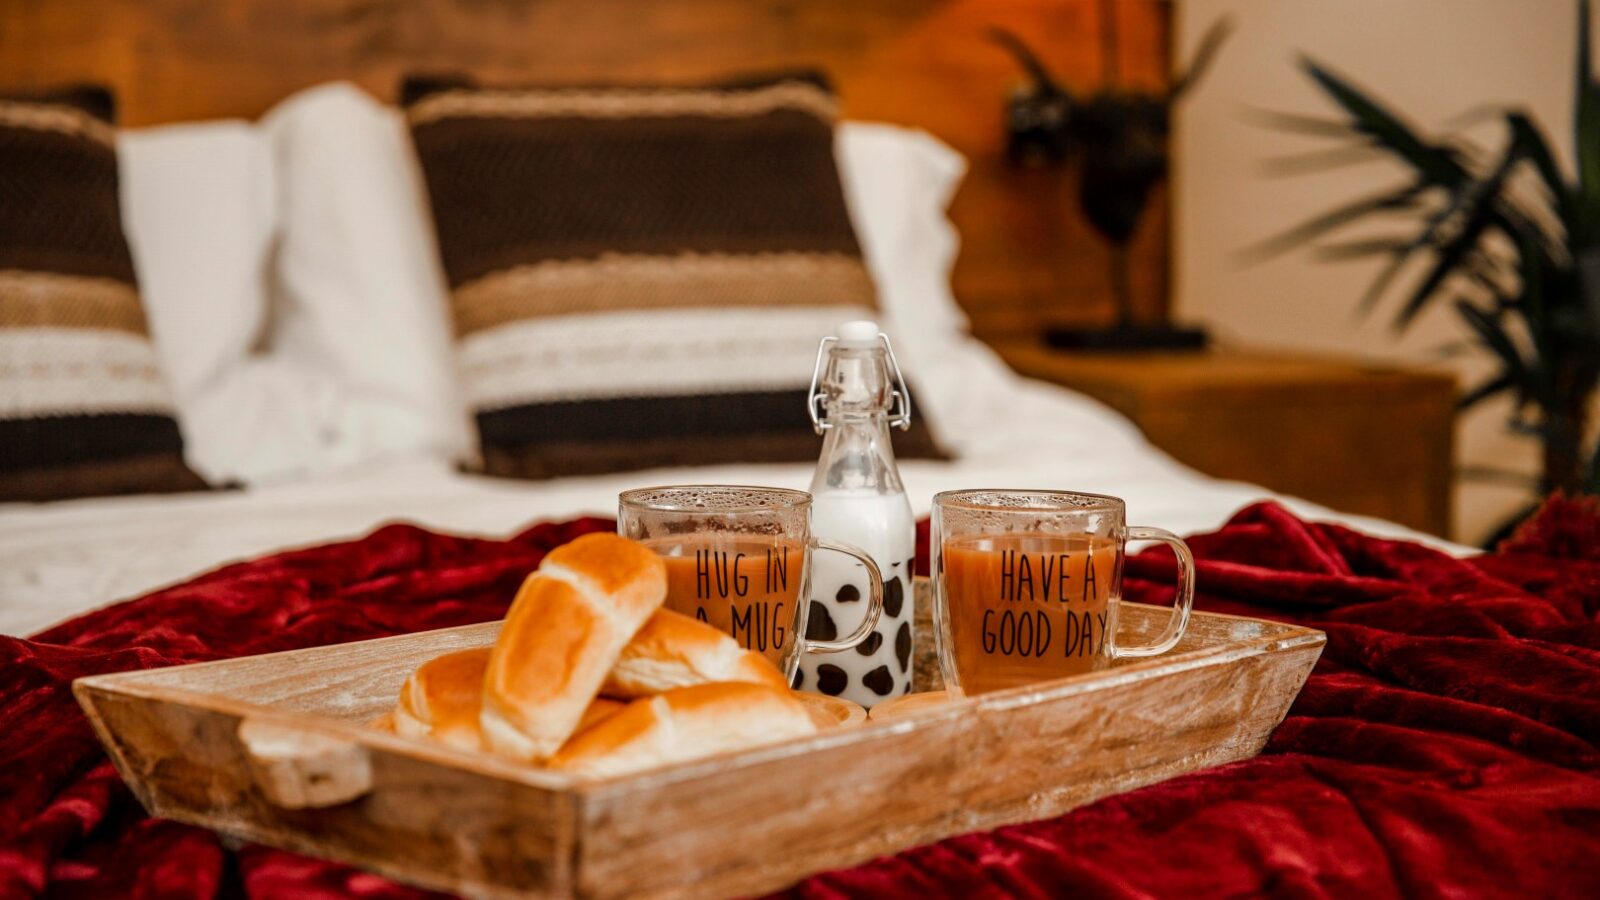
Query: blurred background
[(1441, 62), (1048, 101)]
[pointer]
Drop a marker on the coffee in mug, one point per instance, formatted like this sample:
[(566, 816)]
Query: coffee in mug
[(740, 558), (1026, 586), (745, 586)]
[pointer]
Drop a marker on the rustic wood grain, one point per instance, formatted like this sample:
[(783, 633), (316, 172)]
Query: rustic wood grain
[(734, 824), (297, 769), (1027, 257), (1363, 438), (910, 705), (832, 712)]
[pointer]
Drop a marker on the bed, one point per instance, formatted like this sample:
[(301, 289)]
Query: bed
[(1446, 744), (60, 559), (349, 421), (353, 417)]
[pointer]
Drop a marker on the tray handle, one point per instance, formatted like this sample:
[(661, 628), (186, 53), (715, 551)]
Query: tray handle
[(297, 769)]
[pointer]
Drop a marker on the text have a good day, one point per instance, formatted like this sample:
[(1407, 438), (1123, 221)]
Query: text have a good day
[(1050, 604)]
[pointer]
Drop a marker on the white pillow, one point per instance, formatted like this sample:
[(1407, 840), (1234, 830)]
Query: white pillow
[(360, 291), (300, 328), (301, 311), (898, 182), (199, 207)]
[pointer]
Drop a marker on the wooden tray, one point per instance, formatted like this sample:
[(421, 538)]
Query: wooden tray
[(273, 749)]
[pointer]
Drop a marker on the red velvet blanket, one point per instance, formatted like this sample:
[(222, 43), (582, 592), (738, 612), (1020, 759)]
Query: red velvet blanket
[(1445, 745)]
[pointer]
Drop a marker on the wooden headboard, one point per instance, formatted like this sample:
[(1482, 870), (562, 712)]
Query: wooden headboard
[(1027, 257)]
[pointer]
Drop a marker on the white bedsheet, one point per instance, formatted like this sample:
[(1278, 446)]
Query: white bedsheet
[(61, 559)]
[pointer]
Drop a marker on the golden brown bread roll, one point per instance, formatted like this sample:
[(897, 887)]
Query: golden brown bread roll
[(673, 650), (564, 632), (443, 698), (598, 710), (683, 724)]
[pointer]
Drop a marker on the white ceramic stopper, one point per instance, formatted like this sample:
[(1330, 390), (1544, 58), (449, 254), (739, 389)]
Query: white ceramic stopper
[(859, 331)]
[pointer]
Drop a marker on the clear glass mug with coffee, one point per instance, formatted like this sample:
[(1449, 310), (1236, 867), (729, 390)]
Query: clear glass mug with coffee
[(1027, 584), (740, 558)]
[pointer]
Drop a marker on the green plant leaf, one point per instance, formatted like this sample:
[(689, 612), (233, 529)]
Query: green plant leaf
[(1484, 269), (1339, 251), (1436, 165), (1448, 261), (1567, 199), (1494, 336), (1298, 123), (1479, 210), (1471, 262), (1530, 298), (1537, 148), (1210, 43), (1324, 160), (1493, 387), (1395, 199), (1429, 236), (1586, 136)]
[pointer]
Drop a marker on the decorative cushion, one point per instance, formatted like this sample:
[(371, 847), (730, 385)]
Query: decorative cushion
[(639, 275), (84, 409)]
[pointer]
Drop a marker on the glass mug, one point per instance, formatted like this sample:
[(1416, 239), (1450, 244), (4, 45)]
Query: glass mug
[(1027, 583), (740, 558)]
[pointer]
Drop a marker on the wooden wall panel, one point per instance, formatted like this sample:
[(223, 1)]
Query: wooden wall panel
[(1027, 257)]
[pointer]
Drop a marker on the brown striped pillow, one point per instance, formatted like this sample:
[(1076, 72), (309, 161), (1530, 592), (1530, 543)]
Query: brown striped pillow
[(84, 409), (639, 275)]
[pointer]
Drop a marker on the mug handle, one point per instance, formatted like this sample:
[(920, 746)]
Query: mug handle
[(874, 602), (1185, 601)]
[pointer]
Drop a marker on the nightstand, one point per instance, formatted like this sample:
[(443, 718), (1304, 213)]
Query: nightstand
[(1360, 438)]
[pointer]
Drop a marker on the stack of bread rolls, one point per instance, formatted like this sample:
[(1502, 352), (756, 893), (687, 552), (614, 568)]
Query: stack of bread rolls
[(590, 675)]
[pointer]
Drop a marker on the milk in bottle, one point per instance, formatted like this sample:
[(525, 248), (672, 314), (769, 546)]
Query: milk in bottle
[(858, 499)]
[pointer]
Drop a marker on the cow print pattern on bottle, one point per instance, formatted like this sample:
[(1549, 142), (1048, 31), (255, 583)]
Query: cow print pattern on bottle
[(894, 597), (886, 651), (880, 681), (819, 624), (831, 679)]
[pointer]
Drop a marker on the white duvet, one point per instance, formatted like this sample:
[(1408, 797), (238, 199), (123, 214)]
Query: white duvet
[(61, 559)]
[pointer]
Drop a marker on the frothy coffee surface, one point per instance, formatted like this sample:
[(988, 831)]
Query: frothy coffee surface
[(1028, 607)]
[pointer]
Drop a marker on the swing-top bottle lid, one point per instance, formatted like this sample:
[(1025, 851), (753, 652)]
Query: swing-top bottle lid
[(858, 331), (858, 383)]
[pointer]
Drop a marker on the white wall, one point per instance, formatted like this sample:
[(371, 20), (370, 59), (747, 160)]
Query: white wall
[(1430, 60)]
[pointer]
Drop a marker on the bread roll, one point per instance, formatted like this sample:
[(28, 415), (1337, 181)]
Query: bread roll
[(598, 710), (442, 699), (564, 632), (673, 650), (683, 724)]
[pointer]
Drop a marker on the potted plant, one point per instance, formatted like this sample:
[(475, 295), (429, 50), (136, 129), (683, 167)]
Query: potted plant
[(1521, 268)]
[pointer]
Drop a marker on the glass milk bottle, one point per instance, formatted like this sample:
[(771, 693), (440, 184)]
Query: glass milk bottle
[(856, 394)]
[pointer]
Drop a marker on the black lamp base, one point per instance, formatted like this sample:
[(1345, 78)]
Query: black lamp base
[(1127, 338)]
